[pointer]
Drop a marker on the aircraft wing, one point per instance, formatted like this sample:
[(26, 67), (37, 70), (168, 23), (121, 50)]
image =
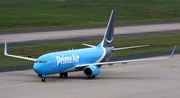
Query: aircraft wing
[(126, 61), (123, 48), (16, 56)]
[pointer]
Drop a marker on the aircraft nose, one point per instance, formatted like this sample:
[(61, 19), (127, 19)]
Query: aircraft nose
[(37, 68)]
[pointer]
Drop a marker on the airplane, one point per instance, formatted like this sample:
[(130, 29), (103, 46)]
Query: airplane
[(88, 59)]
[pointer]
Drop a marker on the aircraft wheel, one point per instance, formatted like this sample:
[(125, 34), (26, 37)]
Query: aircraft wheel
[(91, 77), (61, 75), (43, 79), (65, 75)]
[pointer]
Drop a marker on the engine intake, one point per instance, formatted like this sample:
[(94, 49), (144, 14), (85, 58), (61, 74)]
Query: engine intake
[(91, 70)]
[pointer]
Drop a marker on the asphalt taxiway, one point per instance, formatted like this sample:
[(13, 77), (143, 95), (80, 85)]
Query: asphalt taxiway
[(148, 79)]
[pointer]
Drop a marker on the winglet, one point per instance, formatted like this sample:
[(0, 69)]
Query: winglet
[(173, 51), (5, 48), (16, 56)]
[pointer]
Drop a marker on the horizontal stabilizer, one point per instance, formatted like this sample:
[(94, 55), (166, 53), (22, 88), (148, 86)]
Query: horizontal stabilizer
[(16, 56), (88, 45)]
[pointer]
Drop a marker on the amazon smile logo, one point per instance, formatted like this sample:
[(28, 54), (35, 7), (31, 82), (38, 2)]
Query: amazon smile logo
[(109, 41)]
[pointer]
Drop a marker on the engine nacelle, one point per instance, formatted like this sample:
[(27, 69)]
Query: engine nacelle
[(92, 70)]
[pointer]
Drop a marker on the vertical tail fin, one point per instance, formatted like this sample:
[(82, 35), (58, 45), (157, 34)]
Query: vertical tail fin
[(108, 36)]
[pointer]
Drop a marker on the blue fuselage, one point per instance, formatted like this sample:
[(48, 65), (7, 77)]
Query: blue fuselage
[(64, 61)]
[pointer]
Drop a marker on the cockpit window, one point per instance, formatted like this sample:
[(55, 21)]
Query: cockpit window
[(40, 61)]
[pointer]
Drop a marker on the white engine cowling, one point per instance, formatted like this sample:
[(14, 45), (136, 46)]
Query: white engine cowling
[(92, 70)]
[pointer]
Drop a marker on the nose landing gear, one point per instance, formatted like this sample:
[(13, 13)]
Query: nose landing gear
[(43, 78)]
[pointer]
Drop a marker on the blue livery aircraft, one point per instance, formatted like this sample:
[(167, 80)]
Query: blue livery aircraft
[(89, 60)]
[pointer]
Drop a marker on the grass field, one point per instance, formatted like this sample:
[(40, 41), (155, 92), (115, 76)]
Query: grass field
[(158, 43), (49, 14)]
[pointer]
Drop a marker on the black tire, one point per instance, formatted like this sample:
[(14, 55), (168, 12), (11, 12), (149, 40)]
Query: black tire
[(61, 75), (43, 79), (93, 77), (89, 77), (65, 75)]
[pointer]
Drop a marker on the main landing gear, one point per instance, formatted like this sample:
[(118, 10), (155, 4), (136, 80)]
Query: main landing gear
[(63, 75), (91, 77)]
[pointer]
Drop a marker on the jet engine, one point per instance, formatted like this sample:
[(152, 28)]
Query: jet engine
[(92, 71)]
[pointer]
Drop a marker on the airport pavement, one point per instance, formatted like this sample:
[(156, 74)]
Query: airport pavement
[(148, 79)]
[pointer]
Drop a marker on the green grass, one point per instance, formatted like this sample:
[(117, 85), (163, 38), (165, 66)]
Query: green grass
[(48, 14), (158, 43)]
